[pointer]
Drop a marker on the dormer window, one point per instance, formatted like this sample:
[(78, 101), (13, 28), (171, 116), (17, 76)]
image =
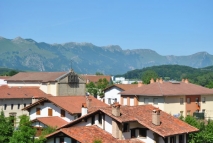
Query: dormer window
[(126, 127)]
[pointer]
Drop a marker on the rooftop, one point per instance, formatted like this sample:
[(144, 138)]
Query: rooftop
[(122, 86), (143, 115), (168, 89), (54, 121), (95, 78), (36, 76), (7, 92), (71, 104)]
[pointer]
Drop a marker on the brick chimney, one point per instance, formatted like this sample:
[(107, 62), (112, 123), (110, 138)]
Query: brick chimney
[(116, 109), (140, 84), (152, 80), (84, 109), (156, 116)]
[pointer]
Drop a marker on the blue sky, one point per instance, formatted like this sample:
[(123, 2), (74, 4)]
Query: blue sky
[(167, 27)]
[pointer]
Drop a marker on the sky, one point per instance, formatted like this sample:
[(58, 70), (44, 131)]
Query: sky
[(168, 27)]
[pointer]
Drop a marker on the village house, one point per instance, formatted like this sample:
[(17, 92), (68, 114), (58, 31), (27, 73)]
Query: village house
[(112, 93), (175, 98), (144, 123), (54, 83), (2, 80), (60, 109), (13, 99)]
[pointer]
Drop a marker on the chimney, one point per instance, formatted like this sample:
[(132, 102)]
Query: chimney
[(152, 80), (88, 102), (161, 80), (186, 81), (183, 80), (156, 116), (83, 109), (116, 109), (157, 80), (140, 84)]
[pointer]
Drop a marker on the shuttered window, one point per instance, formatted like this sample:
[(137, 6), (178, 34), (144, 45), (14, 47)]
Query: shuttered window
[(50, 112), (62, 113), (38, 111)]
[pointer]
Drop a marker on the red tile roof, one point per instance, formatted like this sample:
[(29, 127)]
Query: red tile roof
[(21, 92), (95, 78), (143, 115), (4, 77), (36, 76), (54, 121), (87, 134), (168, 89), (71, 104), (122, 86)]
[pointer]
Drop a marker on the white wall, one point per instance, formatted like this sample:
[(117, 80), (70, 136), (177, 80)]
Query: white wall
[(49, 88), (108, 124), (112, 93), (38, 124), (2, 82), (23, 83), (161, 102), (56, 111)]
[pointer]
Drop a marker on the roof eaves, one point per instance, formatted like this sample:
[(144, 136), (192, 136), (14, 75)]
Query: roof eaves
[(32, 105)]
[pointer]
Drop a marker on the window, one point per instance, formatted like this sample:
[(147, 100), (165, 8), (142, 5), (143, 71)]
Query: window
[(100, 118), (188, 100), (93, 120), (73, 141), (203, 99), (133, 133), (50, 112), (203, 110), (146, 100), (142, 132), (115, 99), (125, 127), (173, 139), (62, 113), (5, 106), (124, 101), (18, 106), (181, 138), (181, 113), (109, 100), (155, 101), (25, 105), (181, 101), (38, 111), (11, 106), (61, 140), (188, 112)]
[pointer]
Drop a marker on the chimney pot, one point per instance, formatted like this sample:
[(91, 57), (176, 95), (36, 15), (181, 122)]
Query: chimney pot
[(152, 80), (186, 81), (83, 109), (156, 117)]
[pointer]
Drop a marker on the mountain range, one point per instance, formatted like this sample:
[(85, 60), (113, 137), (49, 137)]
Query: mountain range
[(86, 58)]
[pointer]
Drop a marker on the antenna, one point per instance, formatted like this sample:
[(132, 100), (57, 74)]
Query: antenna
[(71, 64)]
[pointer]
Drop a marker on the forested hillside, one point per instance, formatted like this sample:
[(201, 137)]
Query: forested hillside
[(201, 76)]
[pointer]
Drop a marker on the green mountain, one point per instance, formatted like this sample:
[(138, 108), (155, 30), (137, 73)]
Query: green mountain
[(27, 54)]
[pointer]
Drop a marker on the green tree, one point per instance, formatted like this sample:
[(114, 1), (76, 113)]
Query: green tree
[(6, 128), (99, 73), (47, 130), (25, 133), (148, 75)]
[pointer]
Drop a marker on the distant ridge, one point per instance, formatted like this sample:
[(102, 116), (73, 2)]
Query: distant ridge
[(27, 54)]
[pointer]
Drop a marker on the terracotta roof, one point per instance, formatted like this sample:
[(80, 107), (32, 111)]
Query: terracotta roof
[(21, 92), (87, 134), (36, 76), (143, 115), (54, 121), (123, 86), (95, 78), (71, 104), (4, 77), (168, 89)]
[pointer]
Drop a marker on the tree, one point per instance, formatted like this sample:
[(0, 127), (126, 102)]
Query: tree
[(25, 133), (148, 75), (6, 128), (99, 73)]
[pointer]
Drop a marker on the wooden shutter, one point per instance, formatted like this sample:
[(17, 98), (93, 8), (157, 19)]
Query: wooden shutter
[(38, 111), (50, 112), (62, 113)]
